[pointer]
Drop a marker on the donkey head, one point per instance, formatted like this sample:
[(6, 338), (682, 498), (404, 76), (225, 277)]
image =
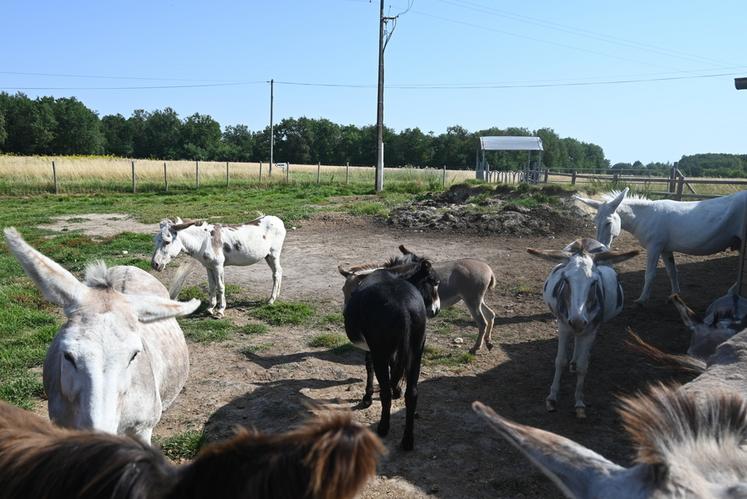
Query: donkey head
[(686, 447), (607, 220), (577, 287), (426, 279), (706, 337), (96, 353), (168, 244)]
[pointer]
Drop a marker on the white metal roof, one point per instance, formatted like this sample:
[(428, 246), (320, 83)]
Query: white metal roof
[(507, 143)]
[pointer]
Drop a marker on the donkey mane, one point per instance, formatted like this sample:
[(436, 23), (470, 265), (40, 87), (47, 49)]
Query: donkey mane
[(98, 276), (630, 197), (668, 421)]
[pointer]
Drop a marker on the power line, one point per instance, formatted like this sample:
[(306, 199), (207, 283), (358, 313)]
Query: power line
[(109, 77), (147, 87), (477, 7)]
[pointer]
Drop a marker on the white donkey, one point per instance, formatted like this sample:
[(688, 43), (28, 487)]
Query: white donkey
[(690, 441), (215, 246), (121, 359), (581, 295), (665, 226)]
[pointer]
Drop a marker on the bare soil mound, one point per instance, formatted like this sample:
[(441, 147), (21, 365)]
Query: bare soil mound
[(522, 211)]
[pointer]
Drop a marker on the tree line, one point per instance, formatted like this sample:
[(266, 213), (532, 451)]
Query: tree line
[(65, 126)]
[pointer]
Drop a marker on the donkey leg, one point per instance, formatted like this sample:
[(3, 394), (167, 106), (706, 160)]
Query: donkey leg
[(651, 261), (482, 324), (212, 284), (561, 359), (581, 354), (368, 395), (411, 400), (221, 289), (397, 369), (381, 368), (489, 315), (671, 271), (273, 260)]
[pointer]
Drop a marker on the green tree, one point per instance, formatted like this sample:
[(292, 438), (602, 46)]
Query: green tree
[(3, 133), (78, 130), (118, 135), (29, 124), (162, 135), (237, 144), (200, 137)]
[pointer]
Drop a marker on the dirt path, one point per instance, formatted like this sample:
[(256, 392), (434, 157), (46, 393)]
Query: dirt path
[(455, 454)]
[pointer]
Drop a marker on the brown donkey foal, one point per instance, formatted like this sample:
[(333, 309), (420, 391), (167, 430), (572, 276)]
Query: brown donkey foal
[(329, 457)]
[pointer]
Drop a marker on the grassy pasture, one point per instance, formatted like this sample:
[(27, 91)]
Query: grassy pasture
[(33, 174)]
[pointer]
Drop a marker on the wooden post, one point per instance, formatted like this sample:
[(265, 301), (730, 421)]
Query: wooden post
[(197, 174), (54, 178), (318, 171), (347, 172), (444, 179), (165, 178), (547, 175), (573, 177), (287, 172), (134, 184), (226, 174), (672, 176), (680, 187), (260, 172)]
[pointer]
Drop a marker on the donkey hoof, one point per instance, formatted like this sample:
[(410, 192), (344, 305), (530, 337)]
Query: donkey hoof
[(489, 345), (550, 405), (473, 351), (366, 401), (408, 442), (271, 301), (581, 412), (382, 430)]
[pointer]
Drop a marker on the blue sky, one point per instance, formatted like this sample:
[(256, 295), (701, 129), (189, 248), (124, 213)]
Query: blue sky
[(489, 44)]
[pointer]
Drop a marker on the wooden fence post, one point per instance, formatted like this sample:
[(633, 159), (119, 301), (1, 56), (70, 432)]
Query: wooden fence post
[(165, 178), (347, 172), (197, 174), (287, 172), (547, 175), (680, 187), (444, 179), (226, 174), (318, 171), (672, 176), (573, 177), (260, 172), (134, 185), (54, 178)]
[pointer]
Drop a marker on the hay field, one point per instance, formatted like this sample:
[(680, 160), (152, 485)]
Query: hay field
[(32, 174)]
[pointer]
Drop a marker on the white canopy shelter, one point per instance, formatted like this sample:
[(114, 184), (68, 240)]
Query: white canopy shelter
[(506, 143)]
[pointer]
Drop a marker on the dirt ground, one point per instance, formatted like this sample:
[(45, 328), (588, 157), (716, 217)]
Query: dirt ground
[(455, 455)]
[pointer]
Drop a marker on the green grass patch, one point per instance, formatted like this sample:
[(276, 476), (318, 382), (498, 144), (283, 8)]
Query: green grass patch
[(327, 340), (191, 293), (232, 289), (283, 313), (336, 319), (434, 356), (253, 328), (207, 330), (182, 446)]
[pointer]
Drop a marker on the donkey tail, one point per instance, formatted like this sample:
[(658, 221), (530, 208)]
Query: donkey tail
[(663, 359), (180, 277)]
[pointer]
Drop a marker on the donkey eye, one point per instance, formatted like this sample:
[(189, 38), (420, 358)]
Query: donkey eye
[(68, 357)]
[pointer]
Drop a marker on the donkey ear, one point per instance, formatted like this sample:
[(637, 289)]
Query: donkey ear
[(56, 284), (614, 256), (619, 199), (552, 255), (573, 468), (154, 308), (689, 317), (404, 250), (589, 202), (343, 272)]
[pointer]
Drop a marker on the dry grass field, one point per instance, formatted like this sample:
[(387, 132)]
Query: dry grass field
[(28, 174)]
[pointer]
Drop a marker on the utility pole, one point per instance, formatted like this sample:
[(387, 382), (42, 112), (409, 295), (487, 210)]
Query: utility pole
[(741, 84), (272, 129), (380, 107)]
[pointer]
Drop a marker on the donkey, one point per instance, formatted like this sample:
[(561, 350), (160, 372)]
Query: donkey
[(121, 359), (216, 246), (329, 457), (582, 294), (687, 446), (665, 226), (467, 279), (386, 316)]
